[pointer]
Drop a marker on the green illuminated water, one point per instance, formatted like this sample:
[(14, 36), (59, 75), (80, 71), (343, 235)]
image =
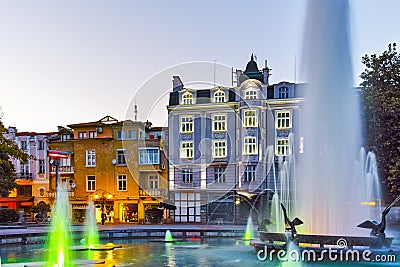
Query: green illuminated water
[(168, 236), (249, 234), (60, 238), (91, 231)]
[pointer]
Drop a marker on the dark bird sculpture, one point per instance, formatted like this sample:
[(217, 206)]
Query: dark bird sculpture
[(291, 225), (378, 229)]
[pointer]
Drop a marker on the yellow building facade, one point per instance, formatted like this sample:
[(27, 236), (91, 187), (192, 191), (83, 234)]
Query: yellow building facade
[(112, 166)]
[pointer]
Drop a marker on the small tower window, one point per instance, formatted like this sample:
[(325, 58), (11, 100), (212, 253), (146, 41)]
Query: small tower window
[(283, 92), (219, 96)]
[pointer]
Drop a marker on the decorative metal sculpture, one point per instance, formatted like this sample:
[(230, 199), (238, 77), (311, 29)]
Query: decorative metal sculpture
[(378, 229), (291, 225)]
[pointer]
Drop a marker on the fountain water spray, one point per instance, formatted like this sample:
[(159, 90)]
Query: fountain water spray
[(249, 234), (168, 236), (91, 230), (60, 238)]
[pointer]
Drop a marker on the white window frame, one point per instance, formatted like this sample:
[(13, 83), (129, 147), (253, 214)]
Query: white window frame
[(122, 182), (187, 150), (219, 175), (250, 94), (42, 166), (283, 92), (219, 123), (219, 149), (149, 155), (92, 134), (249, 174), (187, 99), (131, 134), (282, 147), (250, 118), (219, 96), (90, 158), (121, 156), (65, 137), (250, 146), (187, 176), (82, 135), (90, 187), (186, 124), (283, 119), (154, 182)]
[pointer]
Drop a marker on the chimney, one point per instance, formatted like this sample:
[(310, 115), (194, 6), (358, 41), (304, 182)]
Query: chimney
[(266, 73), (177, 84)]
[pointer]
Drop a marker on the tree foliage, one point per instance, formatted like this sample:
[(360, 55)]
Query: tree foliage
[(8, 149), (381, 94)]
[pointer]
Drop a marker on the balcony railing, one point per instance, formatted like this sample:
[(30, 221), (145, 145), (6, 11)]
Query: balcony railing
[(23, 175), (53, 194), (162, 192), (63, 169)]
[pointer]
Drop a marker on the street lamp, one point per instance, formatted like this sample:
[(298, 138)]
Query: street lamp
[(55, 156)]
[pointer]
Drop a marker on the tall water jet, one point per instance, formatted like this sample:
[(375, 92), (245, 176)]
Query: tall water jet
[(59, 239), (168, 236), (249, 234), (332, 135), (91, 230)]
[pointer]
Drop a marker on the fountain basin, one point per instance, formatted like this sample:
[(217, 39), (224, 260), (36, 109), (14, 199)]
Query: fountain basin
[(324, 240)]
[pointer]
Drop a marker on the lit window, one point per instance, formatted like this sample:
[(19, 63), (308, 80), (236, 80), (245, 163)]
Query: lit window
[(283, 92), (90, 183), (219, 123), (153, 182), (283, 120), (250, 118), (82, 135), (219, 149), (121, 182), (219, 174), (250, 146), (187, 176), (249, 174), (186, 124), (187, 98), (282, 147), (90, 158), (121, 159), (250, 94), (187, 150), (219, 96), (149, 156)]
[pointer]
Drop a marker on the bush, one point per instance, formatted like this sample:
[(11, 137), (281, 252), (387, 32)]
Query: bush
[(8, 215)]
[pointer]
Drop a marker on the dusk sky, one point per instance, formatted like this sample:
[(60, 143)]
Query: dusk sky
[(64, 62)]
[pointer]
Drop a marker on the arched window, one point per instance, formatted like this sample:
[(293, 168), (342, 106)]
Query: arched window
[(187, 98), (219, 96), (283, 92), (250, 94)]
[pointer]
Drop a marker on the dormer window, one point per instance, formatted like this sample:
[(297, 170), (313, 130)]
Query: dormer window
[(250, 94), (283, 92), (187, 98), (219, 96)]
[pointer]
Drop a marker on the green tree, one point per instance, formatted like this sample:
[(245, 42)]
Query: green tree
[(7, 170), (381, 95)]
